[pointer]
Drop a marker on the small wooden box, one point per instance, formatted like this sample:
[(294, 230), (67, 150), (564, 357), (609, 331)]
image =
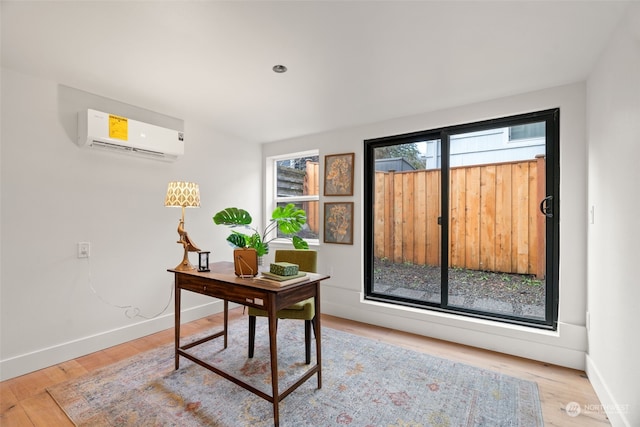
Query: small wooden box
[(284, 268)]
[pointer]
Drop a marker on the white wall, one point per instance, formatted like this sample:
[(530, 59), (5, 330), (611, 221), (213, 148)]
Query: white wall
[(55, 194), (343, 293), (614, 253)]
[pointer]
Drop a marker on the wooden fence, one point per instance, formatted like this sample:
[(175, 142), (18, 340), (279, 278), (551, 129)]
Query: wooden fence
[(494, 222), (296, 182), (312, 187)]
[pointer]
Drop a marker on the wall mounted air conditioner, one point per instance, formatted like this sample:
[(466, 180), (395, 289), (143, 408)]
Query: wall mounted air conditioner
[(119, 134)]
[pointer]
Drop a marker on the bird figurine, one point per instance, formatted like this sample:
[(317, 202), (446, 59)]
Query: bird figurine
[(184, 238)]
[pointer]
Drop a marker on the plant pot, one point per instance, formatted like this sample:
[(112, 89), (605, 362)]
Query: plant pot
[(245, 262)]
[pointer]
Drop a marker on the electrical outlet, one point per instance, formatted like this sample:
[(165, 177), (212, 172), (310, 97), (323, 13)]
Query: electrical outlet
[(84, 249)]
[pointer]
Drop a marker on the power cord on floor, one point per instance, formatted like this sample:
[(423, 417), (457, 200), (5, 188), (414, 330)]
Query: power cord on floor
[(129, 310)]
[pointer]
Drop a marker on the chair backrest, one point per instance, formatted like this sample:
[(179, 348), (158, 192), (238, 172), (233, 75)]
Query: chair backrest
[(307, 260)]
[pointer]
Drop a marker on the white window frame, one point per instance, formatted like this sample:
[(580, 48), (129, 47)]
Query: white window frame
[(271, 182)]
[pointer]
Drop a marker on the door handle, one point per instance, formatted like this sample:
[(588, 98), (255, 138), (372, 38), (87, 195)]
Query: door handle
[(546, 207)]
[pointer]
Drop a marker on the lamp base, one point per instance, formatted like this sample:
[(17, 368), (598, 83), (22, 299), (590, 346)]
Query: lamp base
[(185, 265)]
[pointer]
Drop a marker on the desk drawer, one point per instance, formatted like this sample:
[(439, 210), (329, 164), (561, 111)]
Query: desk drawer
[(200, 288), (230, 292)]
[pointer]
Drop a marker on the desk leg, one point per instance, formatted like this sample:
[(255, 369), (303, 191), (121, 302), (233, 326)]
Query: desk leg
[(273, 340), (177, 323), (226, 321), (318, 334)]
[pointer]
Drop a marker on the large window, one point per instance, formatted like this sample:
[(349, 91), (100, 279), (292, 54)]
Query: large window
[(461, 219), (295, 179)]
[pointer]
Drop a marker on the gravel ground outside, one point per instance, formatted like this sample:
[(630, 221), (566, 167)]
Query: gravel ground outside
[(504, 293)]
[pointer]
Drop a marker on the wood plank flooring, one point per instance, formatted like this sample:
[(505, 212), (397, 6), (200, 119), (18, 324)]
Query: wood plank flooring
[(25, 402)]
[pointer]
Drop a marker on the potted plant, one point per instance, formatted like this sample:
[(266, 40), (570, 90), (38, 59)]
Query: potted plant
[(288, 219)]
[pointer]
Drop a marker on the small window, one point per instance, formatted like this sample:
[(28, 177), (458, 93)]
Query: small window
[(528, 131), (297, 181)]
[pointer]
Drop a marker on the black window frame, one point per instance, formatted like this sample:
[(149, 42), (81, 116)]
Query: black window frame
[(552, 153)]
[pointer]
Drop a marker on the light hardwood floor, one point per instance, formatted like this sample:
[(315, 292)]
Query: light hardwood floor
[(24, 401)]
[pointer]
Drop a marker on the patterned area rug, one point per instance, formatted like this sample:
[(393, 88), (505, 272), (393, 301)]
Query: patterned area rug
[(365, 383)]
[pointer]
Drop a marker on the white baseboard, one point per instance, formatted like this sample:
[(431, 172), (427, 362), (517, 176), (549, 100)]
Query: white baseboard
[(565, 347), (42, 358), (615, 411)]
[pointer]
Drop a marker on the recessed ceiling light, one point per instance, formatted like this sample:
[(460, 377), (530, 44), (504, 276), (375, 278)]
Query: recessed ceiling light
[(279, 68)]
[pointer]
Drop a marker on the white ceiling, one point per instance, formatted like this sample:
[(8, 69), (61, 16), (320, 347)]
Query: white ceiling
[(350, 62)]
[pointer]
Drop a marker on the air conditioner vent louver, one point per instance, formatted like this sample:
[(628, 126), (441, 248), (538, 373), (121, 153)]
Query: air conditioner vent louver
[(148, 153), (109, 146), (122, 135)]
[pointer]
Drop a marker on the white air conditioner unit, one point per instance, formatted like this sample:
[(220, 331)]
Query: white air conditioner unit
[(119, 134)]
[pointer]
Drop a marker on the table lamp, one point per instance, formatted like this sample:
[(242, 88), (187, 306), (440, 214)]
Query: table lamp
[(184, 195)]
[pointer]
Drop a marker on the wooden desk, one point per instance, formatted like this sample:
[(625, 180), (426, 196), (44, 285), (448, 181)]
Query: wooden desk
[(221, 282)]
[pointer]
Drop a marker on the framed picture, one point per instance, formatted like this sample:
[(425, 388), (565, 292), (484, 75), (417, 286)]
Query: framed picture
[(338, 222), (338, 174)]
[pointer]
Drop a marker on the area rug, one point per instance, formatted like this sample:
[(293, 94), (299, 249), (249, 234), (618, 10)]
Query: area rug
[(364, 383)]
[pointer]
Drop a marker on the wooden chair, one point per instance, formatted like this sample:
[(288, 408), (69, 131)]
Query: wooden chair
[(303, 310)]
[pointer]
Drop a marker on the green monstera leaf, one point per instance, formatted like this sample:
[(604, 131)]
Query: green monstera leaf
[(238, 240), (290, 219), (299, 243), (232, 217)]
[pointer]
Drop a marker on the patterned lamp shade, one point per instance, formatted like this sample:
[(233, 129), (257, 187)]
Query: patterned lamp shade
[(184, 194)]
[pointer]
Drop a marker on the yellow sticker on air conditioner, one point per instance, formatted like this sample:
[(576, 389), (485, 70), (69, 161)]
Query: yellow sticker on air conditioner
[(118, 127)]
